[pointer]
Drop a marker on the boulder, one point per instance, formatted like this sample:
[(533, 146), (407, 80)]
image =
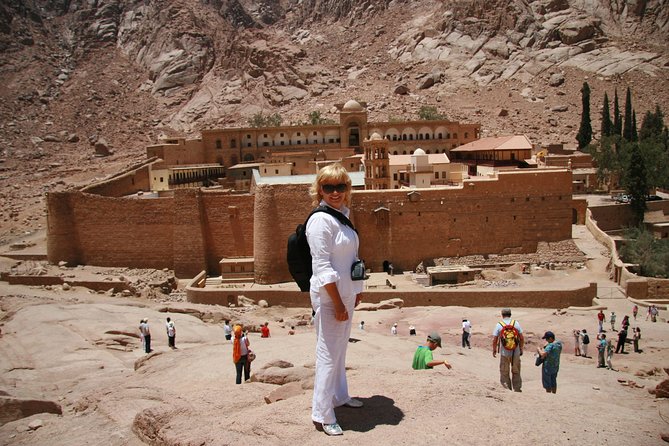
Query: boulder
[(430, 79), (35, 424), (401, 89), (497, 47), (12, 409), (383, 305), (662, 389), (279, 363), (245, 301), (281, 376), (556, 80), (284, 392), (425, 83), (578, 29), (282, 95), (102, 147)]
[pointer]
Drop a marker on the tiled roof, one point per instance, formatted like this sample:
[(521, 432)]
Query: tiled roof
[(500, 143)]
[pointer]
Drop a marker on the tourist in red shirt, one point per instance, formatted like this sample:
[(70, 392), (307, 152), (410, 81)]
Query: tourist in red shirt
[(264, 330)]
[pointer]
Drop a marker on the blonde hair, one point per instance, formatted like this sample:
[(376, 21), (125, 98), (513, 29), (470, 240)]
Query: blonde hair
[(330, 173)]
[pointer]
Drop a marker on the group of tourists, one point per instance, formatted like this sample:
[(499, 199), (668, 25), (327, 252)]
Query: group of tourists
[(145, 334), (335, 289), (508, 342)]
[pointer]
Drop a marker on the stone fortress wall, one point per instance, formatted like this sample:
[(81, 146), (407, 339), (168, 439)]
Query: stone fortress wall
[(509, 214), (189, 232), (194, 229)]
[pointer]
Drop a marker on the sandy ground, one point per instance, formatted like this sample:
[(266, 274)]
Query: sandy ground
[(81, 350)]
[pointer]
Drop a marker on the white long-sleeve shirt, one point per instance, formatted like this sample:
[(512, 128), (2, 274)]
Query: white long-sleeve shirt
[(334, 248)]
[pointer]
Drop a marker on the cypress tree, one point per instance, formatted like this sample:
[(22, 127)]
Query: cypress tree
[(607, 125), (637, 184), (635, 135), (617, 119), (584, 135), (627, 127)]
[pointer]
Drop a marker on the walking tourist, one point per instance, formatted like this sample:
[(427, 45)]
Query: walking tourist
[(508, 341), (466, 333), (601, 318)]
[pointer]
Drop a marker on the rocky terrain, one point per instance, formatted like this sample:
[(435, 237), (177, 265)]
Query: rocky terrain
[(87, 85)]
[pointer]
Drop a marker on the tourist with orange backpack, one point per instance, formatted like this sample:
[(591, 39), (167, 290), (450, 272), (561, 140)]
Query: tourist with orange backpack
[(508, 341)]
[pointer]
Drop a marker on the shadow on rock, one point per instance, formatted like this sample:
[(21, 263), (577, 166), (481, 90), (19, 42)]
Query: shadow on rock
[(377, 410)]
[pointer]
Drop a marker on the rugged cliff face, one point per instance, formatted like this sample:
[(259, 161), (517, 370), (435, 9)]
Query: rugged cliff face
[(121, 73)]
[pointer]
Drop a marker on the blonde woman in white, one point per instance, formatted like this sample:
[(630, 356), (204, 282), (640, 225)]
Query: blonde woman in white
[(334, 295)]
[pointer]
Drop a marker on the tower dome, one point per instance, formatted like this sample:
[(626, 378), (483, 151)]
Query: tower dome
[(419, 151), (375, 137), (353, 106)]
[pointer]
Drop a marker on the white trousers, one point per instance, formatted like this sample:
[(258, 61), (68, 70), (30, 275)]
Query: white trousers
[(330, 386)]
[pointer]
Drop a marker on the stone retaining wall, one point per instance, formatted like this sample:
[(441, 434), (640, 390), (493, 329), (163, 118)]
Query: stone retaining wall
[(579, 296)]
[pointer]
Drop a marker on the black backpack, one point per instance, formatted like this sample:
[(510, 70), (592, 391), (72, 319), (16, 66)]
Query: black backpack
[(298, 253)]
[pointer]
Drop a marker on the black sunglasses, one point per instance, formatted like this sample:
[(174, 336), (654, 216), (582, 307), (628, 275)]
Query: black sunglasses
[(329, 188)]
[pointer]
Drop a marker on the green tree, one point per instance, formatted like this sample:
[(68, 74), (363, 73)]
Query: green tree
[(636, 183), (584, 135), (652, 124), (257, 120), (627, 126), (611, 158), (607, 125), (316, 118), (274, 120), (635, 133), (617, 119), (429, 113), (653, 145), (651, 254), (260, 120)]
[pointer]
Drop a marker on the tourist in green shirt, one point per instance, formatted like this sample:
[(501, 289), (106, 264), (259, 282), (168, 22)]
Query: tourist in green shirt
[(423, 359)]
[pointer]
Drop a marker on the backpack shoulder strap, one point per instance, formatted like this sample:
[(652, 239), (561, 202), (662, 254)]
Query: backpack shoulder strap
[(336, 214)]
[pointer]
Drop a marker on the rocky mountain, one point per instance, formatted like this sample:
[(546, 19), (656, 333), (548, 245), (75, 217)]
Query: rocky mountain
[(87, 84)]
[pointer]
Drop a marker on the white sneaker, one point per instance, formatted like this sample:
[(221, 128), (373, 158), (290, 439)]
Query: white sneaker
[(332, 429), (356, 404)]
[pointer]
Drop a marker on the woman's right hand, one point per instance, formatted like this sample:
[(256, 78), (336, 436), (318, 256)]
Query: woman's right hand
[(340, 313)]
